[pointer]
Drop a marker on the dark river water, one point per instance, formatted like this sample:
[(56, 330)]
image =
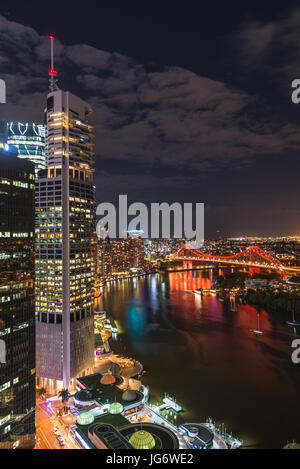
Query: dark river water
[(203, 353)]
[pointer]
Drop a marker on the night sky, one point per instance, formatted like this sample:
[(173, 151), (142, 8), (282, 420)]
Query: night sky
[(192, 100)]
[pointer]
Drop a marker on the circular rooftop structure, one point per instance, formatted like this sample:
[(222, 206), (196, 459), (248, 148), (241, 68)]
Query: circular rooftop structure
[(129, 395), (86, 418), (108, 379), (163, 437), (115, 408), (193, 432), (201, 433), (83, 398), (142, 439)]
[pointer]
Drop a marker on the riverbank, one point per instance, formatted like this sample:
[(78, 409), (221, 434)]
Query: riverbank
[(273, 301), (202, 352)]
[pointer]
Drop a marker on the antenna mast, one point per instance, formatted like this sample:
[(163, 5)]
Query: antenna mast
[(52, 72)]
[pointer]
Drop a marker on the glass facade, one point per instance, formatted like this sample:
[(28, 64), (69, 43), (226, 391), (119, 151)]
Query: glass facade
[(49, 270), (29, 139), (17, 319), (65, 225)]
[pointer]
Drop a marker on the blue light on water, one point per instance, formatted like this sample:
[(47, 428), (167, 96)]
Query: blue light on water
[(136, 316)]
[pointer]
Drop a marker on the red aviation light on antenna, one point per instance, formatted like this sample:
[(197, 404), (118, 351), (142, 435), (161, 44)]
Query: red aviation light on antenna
[(52, 72)]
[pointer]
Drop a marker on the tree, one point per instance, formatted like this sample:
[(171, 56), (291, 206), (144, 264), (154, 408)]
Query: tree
[(42, 392), (65, 395), (232, 280)]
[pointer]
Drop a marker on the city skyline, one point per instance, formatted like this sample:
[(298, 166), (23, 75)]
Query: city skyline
[(157, 118), (128, 331)]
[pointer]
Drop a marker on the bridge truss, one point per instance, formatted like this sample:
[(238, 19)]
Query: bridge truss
[(253, 256)]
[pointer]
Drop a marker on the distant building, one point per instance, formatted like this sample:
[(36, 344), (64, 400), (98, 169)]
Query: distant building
[(253, 283), (17, 313), (95, 260), (105, 257), (121, 255), (29, 139), (3, 134), (65, 224)]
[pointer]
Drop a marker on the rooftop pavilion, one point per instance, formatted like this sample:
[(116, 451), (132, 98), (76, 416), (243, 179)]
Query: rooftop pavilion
[(94, 392)]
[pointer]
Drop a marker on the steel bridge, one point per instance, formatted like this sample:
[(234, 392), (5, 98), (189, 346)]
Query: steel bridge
[(253, 256)]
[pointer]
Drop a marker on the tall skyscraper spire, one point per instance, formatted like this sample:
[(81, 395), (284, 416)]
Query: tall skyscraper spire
[(65, 207), (52, 72)]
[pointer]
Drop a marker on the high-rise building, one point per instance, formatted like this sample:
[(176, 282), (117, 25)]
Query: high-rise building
[(96, 266), (65, 225), (29, 139), (3, 135), (105, 257), (17, 312), (119, 256)]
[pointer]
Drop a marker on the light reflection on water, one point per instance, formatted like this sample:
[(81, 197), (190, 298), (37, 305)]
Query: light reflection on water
[(203, 353)]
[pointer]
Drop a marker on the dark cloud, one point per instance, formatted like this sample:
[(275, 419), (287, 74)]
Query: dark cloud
[(163, 131), (171, 113), (271, 46)]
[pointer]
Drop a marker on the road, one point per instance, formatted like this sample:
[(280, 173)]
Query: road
[(46, 420)]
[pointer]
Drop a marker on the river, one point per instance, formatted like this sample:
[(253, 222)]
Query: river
[(203, 353)]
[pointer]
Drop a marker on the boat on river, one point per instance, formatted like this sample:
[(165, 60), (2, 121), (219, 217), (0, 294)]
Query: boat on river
[(293, 323), (257, 331)]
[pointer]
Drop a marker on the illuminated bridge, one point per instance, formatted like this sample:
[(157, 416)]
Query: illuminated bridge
[(253, 257)]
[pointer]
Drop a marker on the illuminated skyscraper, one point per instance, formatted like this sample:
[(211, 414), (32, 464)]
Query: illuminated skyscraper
[(17, 318), (29, 139), (119, 256), (65, 225)]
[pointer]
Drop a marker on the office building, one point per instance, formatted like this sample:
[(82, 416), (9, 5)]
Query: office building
[(65, 225), (29, 139), (17, 313)]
